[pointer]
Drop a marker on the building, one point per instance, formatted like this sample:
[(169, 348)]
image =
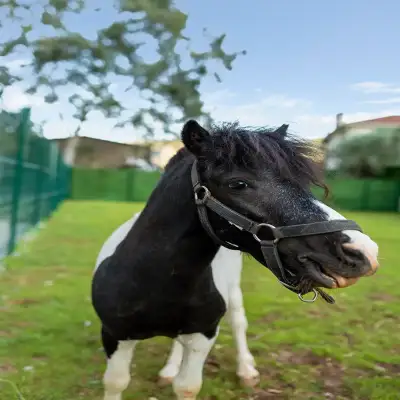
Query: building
[(345, 130), (163, 151), (97, 153)]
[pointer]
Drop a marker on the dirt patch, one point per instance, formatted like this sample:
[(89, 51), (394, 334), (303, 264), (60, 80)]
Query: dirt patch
[(318, 312), (7, 369), (212, 364), (269, 394), (40, 357), (328, 373), (386, 297), (25, 302), (268, 318), (21, 324), (390, 368)]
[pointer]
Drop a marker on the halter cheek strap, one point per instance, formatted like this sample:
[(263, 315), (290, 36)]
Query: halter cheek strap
[(269, 248)]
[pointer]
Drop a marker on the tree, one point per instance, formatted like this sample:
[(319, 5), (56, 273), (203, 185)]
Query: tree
[(369, 155), (169, 84)]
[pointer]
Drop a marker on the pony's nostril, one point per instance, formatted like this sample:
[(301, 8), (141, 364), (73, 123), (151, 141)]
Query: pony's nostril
[(363, 254), (352, 251)]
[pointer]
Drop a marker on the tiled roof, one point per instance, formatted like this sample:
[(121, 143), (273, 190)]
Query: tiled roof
[(390, 120)]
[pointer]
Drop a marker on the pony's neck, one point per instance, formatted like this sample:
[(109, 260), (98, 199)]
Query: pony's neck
[(169, 223)]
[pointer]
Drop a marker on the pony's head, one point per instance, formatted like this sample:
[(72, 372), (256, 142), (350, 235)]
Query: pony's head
[(266, 175)]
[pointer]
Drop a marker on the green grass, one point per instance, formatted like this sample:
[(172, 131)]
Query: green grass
[(49, 335)]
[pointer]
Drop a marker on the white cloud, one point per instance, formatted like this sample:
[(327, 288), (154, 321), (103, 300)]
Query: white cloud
[(373, 87), (272, 109), (275, 110), (14, 98), (15, 65), (390, 100)]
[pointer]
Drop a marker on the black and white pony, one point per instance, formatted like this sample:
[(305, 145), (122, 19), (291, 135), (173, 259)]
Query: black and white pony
[(164, 272), (226, 268)]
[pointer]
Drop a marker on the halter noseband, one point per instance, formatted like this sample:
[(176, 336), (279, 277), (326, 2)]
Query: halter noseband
[(269, 248)]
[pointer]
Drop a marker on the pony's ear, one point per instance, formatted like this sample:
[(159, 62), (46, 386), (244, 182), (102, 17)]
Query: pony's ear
[(282, 130), (194, 137)]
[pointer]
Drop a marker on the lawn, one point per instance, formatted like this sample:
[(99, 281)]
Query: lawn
[(49, 335)]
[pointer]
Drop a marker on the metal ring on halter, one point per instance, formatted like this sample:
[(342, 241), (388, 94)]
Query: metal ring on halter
[(255, 235), (309, 300), (201, 194), (299, 294)]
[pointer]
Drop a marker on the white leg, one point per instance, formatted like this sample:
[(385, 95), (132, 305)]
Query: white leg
[(188, 382), (171, 368), (117, 376), (237, 315)]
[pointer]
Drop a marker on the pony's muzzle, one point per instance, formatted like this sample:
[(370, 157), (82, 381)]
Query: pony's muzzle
[(370, 256)]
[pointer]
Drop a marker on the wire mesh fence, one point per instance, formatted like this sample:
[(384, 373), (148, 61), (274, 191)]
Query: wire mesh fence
[(33, 178)]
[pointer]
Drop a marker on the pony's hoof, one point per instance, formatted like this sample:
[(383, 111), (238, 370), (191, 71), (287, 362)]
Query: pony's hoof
[(250, 382), (165, 380)]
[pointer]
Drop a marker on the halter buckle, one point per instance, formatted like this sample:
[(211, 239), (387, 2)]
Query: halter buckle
[(272, 228), (201, 195)]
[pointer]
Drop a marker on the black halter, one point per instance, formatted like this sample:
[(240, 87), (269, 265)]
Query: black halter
[(269, 248)]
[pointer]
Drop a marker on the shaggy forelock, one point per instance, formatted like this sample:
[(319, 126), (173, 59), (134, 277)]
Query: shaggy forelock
[(288, 157)]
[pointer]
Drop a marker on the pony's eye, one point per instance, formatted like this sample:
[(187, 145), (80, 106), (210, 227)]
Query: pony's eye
[(238, 185)]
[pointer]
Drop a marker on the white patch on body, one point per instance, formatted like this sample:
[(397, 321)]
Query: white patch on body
[(115, 239)]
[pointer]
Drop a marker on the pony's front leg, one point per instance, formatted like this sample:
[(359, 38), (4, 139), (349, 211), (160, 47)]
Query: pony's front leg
[(119, 357), (246, 370), (188, 381), (171, 368)]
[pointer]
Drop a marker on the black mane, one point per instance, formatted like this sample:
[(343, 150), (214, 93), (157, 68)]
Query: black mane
[(290, 157)]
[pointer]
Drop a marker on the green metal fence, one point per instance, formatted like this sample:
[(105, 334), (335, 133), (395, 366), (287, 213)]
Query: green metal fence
[(33, 178), (136, 185), (363, 194), (113, 184)]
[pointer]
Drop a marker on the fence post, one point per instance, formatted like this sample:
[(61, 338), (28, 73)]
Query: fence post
[(38, 186), (129, 184), (22, 132), (397, 206), (58, 184), (53, 154), (68, 181), (365, 195)]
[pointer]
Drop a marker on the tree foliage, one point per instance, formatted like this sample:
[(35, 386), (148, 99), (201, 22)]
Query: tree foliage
[(369, 155), (169, 84)]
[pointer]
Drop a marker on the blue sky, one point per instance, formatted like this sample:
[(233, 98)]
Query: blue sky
[(306, 61)]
